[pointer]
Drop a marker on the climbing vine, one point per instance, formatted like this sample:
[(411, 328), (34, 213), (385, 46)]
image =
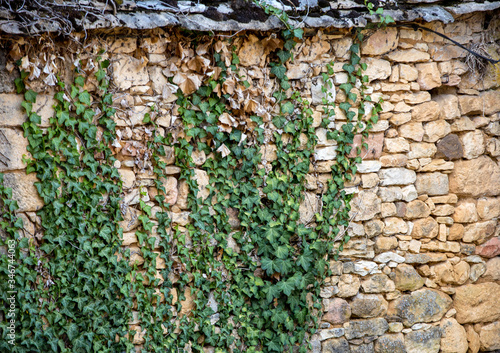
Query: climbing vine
[(250, 265)]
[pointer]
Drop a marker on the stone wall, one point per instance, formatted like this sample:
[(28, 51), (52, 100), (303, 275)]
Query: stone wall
[(421, 273)]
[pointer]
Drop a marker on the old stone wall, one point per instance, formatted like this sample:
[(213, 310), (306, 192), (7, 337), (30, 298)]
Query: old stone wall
[(421, 273)]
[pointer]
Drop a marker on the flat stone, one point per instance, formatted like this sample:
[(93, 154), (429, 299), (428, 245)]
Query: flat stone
[(408, 56), (361, 328), (464, 179), (396, 176), (377, 69), (427, 111), (427, 341), (423, 305), (129, 71), (477, 303), (389, 256), (365, 206), (428, 75), (422, 150), (375, 144), (479, 232)]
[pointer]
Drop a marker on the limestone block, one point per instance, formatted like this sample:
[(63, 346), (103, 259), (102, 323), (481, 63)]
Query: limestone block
[(413, 131), (348, 286), (477, 303), (475, 177), (470, 105), (368, 305), (428, 75), (407, 278), (427, 111), (417, 209), (479, 232), (396, 145), (473, 144), (423, 305), (337, 345), (308, 207), (365, 206), (489, 336), (473, 339), (407, 73), (408, 56), (337, 311), (375, 143), (202, 179), (378, 69), (462, 124), (12, 148), (158, 80), (24, 190), (465, 212), (317, 93), (380, 42), (396, 176), (436, 130), (492, 272), (378, 283), (432, 183), (425, 228), (449, 106), (129, 71)]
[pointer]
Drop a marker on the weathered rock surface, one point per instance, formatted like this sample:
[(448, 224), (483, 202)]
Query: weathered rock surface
[(368, 305), (361, 328), (24, 190), (489, 336), (390, 343), (407, 278), (427, 341), (454, 337), (475, 177), (477, 303), (423, 305)]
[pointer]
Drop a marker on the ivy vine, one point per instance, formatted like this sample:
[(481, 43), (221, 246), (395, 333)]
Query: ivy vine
[(251, 268)]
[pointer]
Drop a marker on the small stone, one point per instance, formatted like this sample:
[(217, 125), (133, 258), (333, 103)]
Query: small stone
[(368, 305), (129, 71), (436, 130), (449, 106), (407, 73), (428, 75), (465, 212), (473, 339), (422, 150), (394, 225), (414, 131), (408, 56), (365, 206), (479, 232), (407, 279), (425, 228), (489, 249), (389, 256), (396, 145), (337, 310), (427, 111), (396, 176), (378, 283), (417, 209), (380, 42), (386, 243), (348, 286), (473, 144), (476, 271)]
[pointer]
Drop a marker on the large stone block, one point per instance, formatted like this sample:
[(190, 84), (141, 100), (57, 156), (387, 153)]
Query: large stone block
[(12, 148), (423, 305), (449, 106), (390, 344), (475, 177), (477, 303), (368, 305), (378, 69), (427, 111), (432, 184), (24, 190)]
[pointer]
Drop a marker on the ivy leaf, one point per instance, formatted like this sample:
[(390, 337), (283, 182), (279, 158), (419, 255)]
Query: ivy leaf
[(84, 97), (284, 56), (279, 71), (268, 265), (286, 287), (282, 252), (272, 234), (287, 108), (30, 96)]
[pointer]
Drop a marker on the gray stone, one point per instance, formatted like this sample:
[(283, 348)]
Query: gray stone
[(336, 345), (378, 283), (427, 341), (362, 348), (423, 305), (361, 328), (390, 344)]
